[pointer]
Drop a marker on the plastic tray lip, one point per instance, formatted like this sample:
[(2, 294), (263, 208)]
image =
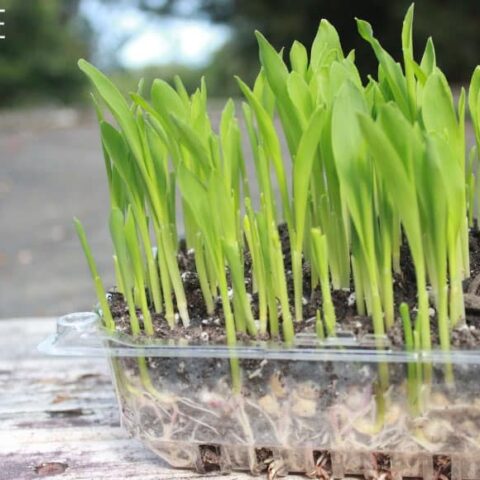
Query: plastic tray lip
[(82, 334)]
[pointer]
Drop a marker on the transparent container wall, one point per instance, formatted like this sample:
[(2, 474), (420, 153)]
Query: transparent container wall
[(325, 410)]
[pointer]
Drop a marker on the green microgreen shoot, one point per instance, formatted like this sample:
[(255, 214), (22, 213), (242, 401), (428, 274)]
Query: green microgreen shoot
[(321, 262), (99, 288)]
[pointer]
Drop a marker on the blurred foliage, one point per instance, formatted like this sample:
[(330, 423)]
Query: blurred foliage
[(453, 24), (38, 58), (44, 39)]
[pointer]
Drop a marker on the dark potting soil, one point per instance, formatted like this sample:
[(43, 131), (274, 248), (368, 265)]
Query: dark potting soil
[(442, 466), (210, 456), (264, 458), (206, 328), (323, 465), (383, 465)]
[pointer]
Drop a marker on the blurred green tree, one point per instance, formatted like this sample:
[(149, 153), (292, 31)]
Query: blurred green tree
[(38, 57), (453, 24)]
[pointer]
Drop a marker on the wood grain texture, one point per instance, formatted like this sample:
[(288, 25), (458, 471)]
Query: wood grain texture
[(59, 417)]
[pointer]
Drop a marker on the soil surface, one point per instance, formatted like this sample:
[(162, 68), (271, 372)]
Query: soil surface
[(206, 328)]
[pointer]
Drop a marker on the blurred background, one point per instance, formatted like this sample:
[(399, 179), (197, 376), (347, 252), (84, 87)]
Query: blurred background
[(50, 160)]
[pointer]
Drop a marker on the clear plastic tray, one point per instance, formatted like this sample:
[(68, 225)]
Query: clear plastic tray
[(343, 406)]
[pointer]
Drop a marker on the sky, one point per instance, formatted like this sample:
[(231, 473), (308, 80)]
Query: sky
[(136, 39)]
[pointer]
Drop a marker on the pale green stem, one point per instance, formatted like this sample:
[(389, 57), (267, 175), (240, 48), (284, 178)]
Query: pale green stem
[(321, 256), (396, 244), (422, 315), (173, 270), (241, 293), (457, 311), (373, 288), (287, 323), (377, 313), (262, 309), (465, 248), (319, 326), (212, 276), (102, 298), (147, 319), (359, 290), (443, 325), (118, 276), (387, 282), (442, 315), (136, 295), (202, 274), (342, 254), (239, 316), (223, 287), (132, 312), (258, 269), (165, 280), (155, 290), (272, 310), (229, 327), (297, 283)]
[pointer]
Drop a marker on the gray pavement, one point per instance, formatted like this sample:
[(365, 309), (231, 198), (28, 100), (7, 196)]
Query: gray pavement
[(51, 169)]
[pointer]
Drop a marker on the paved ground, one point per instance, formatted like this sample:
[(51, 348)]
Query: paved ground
[(51, 169)]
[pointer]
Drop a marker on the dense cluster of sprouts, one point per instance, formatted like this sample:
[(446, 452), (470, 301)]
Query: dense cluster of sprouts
[(373, 164)]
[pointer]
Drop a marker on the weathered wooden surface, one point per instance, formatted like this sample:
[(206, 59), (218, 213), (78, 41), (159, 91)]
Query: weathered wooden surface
[(59, 418)]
